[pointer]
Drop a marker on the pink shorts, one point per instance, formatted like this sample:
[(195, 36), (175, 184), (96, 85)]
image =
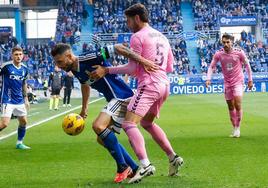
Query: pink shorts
[(149, 99), (233, 91)]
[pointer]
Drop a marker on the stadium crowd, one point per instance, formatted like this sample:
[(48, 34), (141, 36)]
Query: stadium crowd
[(109, 17), (206, 13), (69, 21)]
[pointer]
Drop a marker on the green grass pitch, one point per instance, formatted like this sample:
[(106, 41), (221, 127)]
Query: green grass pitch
[(198, 127)]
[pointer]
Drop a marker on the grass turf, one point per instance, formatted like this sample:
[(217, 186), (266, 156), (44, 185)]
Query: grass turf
[(197, 126)]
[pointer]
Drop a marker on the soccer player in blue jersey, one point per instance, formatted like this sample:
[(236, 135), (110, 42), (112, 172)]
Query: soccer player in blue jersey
[(14, 94), (115, 91)]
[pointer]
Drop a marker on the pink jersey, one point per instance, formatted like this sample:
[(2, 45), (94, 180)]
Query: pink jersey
[(154, 46), (232, 66)]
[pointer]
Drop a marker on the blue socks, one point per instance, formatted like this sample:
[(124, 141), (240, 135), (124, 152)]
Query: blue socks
[(133, 165), (21, 132), (111, 143)]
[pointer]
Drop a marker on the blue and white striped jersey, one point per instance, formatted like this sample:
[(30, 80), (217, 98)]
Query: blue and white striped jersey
[(111, 86), (12, 83)]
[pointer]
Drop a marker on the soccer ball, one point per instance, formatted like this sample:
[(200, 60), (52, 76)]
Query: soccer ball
[(73, 124)]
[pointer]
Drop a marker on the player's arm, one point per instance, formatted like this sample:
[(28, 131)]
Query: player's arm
[(24, 93), (128, 53), (212, 66), (85, 89), (100, 71), (249, 71)]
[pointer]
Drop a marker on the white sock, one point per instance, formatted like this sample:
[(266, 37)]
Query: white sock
[(145, 162), (171, 156), (19, 142)]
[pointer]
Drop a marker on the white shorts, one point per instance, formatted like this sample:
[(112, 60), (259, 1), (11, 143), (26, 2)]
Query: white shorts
[(117, 110), (15, 109)]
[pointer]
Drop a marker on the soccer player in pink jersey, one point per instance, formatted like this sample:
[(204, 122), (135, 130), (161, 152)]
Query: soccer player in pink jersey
[(232, 62), (152, 91)]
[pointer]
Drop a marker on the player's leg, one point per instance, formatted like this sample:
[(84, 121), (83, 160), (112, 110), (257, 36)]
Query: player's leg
[(21, 133), (57, 98), (4, 123), (117, 110), (137, 108), (21, 113), (51, 100), (238, 96), (69, 97), (100, 126), (158, 134), (239, 110), (64, 97), (232, 111), (7, 111), (133, 165), (228, 93)]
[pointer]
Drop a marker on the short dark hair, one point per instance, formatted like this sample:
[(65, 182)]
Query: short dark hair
[(16, 48), (138, 9), (59, 49), (228, 36)]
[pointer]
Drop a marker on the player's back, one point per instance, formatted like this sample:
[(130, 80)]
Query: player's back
[(111, 86), (154, 46)]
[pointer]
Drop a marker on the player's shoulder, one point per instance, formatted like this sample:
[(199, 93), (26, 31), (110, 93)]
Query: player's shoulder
[(24, 66), (220, 51), (238, 50), (8, 63)]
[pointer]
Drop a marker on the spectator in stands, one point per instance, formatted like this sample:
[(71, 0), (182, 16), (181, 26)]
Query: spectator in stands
[(194, 70), (244, 36), (85, 16)]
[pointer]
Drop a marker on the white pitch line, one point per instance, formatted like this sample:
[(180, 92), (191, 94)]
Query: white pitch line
[(48, 119)]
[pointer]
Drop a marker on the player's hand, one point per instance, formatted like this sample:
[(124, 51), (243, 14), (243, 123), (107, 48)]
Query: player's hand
[(98, 73), (83, 114), (208, 82), (250, 85), (150, 66)]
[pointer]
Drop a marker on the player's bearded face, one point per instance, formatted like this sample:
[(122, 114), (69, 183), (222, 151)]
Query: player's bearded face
[(64, 62), (132, 25), (227, 44)]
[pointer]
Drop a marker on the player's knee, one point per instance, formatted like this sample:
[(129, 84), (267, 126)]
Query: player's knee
[(23, 122), (146, 124), (2, 126), (97, 127)]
